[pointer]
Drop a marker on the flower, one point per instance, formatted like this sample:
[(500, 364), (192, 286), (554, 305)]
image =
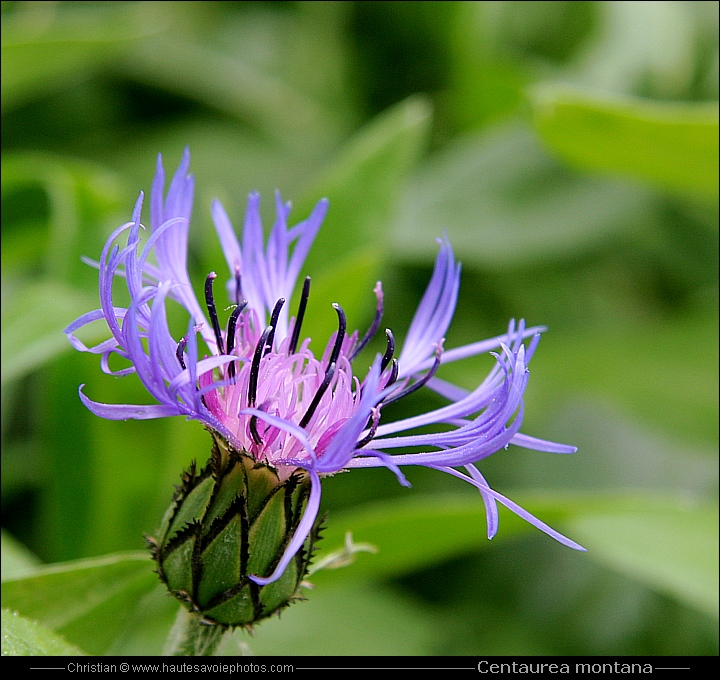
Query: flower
[(260, 389)]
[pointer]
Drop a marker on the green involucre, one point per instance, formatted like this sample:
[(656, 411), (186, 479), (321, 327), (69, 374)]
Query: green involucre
[(232, 519)]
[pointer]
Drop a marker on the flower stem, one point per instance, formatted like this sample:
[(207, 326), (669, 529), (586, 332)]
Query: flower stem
[(189, 637)]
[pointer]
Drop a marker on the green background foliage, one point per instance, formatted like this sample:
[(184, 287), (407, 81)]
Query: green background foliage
[(568, 149)]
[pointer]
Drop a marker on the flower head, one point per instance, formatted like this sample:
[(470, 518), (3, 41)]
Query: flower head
[(259, 387)]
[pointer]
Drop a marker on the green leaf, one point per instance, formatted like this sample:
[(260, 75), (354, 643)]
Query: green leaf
[(364, 180), (643, 373), (668, 544), (658, 539), (669, 144), (649, 46), (90, 602), (358, 619), (79, 195), (45, 45), (363, 185), (412, 533), (287, 113), (22, 637), (281, 74), (502, 200), (32, 329), (17, 560)]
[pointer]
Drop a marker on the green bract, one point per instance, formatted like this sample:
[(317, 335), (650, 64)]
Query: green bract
[(233, 519)]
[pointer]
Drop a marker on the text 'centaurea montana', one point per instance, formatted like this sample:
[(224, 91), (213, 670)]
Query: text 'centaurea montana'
[(235, 544)]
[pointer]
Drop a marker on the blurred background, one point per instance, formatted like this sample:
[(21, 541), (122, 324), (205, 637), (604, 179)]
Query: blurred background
[(569, 151)]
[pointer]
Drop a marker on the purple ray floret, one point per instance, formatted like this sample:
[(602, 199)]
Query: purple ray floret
[(258, 384)]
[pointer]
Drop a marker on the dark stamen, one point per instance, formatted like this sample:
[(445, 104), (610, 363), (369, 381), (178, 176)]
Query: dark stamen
[(253, 381), (342, 325), (179, 352), (273, 324), (393, 373), (232, 323), (210, 302), (372, 330), (389, 350), (318, 395), (254, 431), (300, 315), (373, 429), (255, 368), (418, 384)]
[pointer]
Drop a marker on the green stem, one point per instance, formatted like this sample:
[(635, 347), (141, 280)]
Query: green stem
[(189, 637)]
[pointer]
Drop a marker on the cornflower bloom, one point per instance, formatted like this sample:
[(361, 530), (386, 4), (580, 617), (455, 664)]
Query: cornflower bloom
[(269, 401)]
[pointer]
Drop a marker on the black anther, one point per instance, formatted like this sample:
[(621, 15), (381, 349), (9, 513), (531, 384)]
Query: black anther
[(210, 302), (253, 380), (273, 324), (393, 373), (318, 395), (300, 315), (255, 367), (342, 326), (254, 431), (232, 323), (179, 352), (389, 350)]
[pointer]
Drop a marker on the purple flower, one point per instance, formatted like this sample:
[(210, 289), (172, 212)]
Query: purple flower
[(258, 384)]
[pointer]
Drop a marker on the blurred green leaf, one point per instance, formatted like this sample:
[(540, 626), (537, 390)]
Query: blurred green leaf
[(147, 633), (502, 200), (645, 371), (358, 619), (414, 533), (90, 602), (22, 637), (667, 544), (362, 183), (135, 467), (645, 47), (16, 560), (245, 67), (33, 318), (45, 44), (79, 195), (669, 144)]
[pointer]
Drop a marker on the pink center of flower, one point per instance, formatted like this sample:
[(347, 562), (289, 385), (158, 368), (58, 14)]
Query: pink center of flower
[(285, 381)]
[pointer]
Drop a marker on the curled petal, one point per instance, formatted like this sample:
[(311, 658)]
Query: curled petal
[(128, 411)]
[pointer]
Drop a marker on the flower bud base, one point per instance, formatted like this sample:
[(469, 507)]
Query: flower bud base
[(233, 519)]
